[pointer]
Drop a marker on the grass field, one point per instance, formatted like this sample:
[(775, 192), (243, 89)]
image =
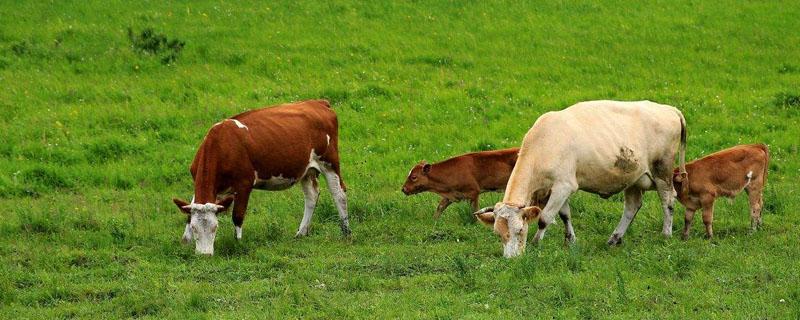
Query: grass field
[(99, 128)]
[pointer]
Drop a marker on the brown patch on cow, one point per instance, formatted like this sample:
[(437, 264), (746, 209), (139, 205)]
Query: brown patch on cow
[(501, 228), (626, 160)]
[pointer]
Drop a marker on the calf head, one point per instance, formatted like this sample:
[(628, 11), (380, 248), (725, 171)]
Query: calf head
[(418, 179), (680, 181), (510, 222), (203, 222)]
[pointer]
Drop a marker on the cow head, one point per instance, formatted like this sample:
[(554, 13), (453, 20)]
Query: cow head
[(203, 222), (417, 180), (510, 222)]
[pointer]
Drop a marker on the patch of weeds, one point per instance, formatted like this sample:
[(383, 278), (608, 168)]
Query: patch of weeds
[(108, 149), (356, 284), (565, 291), (234, 59), (119, 231), (140, 306), (462, 275), (477, 93), (434, 61), (148, 42), (374, 91), (484, 146), (197, 302), (46, 177), (772, 202), (335, 96), (787, 101), (575, 259)]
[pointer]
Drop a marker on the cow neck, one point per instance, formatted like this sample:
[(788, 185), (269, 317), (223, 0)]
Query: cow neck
[(518, 190), (205, 181)]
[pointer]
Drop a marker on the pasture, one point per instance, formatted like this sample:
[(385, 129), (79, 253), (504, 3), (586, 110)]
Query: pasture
[(105, 103)]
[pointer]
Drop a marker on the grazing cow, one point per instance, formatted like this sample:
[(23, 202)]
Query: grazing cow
[(268, 149), (463, 177), (723, 174), (602, 147)]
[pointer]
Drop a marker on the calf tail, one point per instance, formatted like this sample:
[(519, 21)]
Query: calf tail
[(766, 163)]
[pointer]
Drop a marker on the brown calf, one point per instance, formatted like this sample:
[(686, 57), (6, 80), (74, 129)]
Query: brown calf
[(463, 177), (723, 174), (268, 149)]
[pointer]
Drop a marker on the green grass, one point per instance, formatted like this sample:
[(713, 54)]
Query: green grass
[(97, 137)]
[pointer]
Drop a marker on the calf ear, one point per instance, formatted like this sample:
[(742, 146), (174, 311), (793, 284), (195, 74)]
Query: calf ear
[(485, 216), (426, 168), (224, 203), (530, 213), (182, 205)]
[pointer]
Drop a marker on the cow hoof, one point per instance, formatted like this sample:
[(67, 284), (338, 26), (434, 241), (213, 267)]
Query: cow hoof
[(615, 240), (569, 240), (301, 234), (185, 240), (667, 234), (685, 236)]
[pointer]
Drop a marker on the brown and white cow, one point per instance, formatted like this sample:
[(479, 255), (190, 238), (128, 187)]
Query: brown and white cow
[(723, 174), (269, 149), (463, 177), (602, 147)]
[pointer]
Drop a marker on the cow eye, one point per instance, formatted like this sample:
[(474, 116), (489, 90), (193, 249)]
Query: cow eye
[(413, 178)]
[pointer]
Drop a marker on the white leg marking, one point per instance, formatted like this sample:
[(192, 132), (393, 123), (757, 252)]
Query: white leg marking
[(238, 233), (339, 198), (665, 191), (311, 193)]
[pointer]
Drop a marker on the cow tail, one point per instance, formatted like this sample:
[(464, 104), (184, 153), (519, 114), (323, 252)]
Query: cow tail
[(682, 150)]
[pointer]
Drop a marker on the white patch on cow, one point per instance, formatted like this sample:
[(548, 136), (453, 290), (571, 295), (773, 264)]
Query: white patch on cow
[(239, 124), (329, 138), (749, 178), (203, 226), (187, 234), (216, 124), (238, 233)]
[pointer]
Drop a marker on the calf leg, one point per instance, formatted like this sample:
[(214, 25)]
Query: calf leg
[(569, 232), (665, 192), (311, 195), (336, 187), (558, 197), (708, 215), (240, 200), (687, 224), (473, 201), (443, 204), (756, 204), (633, 202)]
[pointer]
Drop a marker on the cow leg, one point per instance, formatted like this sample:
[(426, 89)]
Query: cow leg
[(336, 187), (756, 204), (240, 200), (633, 202), (310, 187), (687, 224), (708, 215), (665, 191), (569, 232), (559, 194), (473, 201), (443, 204)]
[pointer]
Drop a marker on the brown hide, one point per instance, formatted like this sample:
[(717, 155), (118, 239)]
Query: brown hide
[(277, 141), (463, 177), (723, 174)]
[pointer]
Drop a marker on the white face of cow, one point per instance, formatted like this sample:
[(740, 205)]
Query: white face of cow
[(204, 226), (511, 224)]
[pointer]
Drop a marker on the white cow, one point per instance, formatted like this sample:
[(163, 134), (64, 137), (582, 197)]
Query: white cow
[(602, 147)]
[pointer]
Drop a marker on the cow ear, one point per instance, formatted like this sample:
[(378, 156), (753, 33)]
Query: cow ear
[(485, 216), (426, 168), (224, 203), (182, 205), (530, 213)]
